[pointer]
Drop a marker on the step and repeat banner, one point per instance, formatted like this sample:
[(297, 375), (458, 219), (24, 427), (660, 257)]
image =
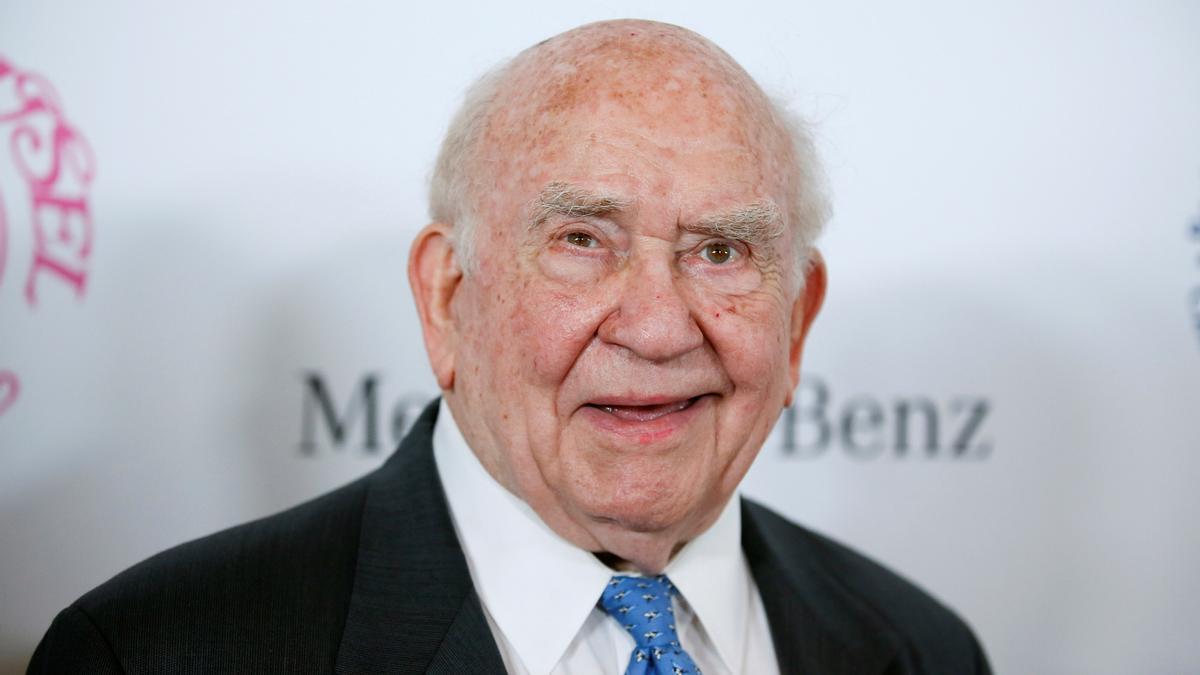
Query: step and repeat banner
[(205, 212)]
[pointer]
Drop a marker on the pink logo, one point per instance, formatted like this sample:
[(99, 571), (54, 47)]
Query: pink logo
[(55, 165)]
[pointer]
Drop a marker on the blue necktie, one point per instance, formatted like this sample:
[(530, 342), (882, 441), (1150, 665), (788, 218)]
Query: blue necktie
[(642, 605)]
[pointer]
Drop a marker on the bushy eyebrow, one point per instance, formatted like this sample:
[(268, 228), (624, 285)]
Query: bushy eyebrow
[(568, 200), (758, 224)]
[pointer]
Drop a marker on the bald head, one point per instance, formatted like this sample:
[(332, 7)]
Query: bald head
[(669, 77), (672, 73)]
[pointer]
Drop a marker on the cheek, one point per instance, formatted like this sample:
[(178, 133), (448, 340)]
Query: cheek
[(548, 328), (749, 335)]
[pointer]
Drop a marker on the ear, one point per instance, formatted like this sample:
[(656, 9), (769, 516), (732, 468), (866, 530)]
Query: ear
[(804, 310), (434, 276)]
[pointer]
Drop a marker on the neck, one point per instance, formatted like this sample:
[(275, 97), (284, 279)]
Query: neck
[(618, 564)]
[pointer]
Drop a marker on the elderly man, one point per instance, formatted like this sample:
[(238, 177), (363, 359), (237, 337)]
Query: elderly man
[(614, 295)]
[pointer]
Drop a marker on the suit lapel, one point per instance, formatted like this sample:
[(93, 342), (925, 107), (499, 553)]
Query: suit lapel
[(413, 607), (817, 624)]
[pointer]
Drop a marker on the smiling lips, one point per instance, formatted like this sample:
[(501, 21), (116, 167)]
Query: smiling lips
[(644, 413)]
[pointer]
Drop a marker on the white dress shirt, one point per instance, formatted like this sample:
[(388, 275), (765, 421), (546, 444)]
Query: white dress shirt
[(540, 592)]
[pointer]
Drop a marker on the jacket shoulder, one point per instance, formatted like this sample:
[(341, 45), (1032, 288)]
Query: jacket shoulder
[(929, 636), (270, 595)]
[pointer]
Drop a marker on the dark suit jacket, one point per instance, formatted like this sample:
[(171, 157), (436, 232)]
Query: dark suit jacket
[(371, 578)]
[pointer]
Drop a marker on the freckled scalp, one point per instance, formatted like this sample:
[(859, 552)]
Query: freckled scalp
[(670, 72)]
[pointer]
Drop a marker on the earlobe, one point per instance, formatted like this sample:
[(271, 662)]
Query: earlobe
[(434, 276), (804, 311)]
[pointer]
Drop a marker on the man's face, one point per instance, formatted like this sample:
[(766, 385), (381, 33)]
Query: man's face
[(630, 330)]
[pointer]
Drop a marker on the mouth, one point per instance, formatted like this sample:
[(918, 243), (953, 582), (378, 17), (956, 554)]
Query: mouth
[(645, 420), (634, 412)]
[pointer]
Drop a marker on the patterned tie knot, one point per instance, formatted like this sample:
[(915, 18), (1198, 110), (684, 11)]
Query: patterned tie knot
[(642, 605)]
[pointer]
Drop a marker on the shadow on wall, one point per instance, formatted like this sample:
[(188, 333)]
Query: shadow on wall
[(339, 316), (108, 475), (192, 406), (1062, 523)]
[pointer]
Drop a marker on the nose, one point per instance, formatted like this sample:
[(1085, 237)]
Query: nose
[(651, 316)]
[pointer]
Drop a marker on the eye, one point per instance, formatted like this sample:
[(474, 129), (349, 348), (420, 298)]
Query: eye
[(581, 239), (718, 253)]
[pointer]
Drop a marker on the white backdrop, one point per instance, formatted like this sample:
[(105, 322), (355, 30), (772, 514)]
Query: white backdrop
[(1015, 255)]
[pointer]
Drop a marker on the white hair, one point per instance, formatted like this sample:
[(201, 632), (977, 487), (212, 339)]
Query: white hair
[(808, 190), (454, 185)]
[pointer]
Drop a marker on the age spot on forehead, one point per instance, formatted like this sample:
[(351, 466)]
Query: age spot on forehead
[(576, 69)]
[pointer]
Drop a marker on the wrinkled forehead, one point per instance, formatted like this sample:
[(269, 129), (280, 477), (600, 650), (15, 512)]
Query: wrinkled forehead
[(663, 82)]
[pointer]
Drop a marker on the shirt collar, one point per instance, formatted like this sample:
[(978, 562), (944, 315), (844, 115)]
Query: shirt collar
[(712, 575), (522, 568)]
